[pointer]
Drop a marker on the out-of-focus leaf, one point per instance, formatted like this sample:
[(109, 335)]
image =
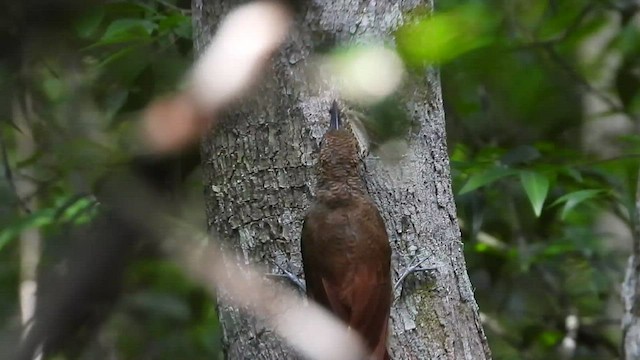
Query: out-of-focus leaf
[(74, 209), (485, 178), (572, 173), (481, 247), (489, 242), (87, 25), (629, 39), (67, 205), (66, 210), (556, 24), (490, 154), (36, 219), (460, 153), (550, 338), (114, 101), (445, 36), (115, 56), (536, 186), (178, 23), (126, 30), (573, 199), (520, 155), (558, 249), (125, 66)]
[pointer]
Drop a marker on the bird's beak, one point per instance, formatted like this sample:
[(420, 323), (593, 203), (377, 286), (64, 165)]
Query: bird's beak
[(335, 116)]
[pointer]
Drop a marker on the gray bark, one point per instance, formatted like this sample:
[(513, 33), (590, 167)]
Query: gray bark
[(260, 180)]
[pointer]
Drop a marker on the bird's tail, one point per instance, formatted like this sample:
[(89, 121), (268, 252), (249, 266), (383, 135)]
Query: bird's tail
[(383, 355), (380, 352)]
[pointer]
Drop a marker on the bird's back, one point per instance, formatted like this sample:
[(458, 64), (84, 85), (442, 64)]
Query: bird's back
[(346, 257)]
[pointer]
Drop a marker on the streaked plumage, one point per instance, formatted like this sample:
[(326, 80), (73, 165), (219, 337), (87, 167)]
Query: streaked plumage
[(345, 247)]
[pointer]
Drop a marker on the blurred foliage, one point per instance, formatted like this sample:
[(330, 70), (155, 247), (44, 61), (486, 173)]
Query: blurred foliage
[(546, 212), (446, 35), (545, 216), (81, 97)]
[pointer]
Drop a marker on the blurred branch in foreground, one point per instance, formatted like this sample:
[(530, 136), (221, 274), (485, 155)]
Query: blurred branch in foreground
[(307, 327), (229, 67)]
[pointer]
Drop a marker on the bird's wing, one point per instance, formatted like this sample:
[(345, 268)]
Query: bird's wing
[(360, 293), (369, 287), (319, 287), (369, 294)]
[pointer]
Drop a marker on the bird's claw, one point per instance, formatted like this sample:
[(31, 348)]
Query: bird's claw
[(412, 269), (294, 280)]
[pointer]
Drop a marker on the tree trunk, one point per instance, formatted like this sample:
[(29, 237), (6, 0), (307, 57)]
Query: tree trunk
[(259, 171)]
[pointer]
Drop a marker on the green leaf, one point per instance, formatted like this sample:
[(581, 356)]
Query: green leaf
[(76, 210), (460, 153), (115, 56), (73, 208), (536, 186), (550, 338), (481, 248), (446, 35), (37, 219), (571, 200), (178, 23), (485, 178), (126, 30), (572, 173), (560, 248)]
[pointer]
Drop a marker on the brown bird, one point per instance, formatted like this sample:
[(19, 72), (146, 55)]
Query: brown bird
[(345, 246)]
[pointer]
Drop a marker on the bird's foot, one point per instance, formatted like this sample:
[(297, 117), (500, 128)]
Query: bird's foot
[(416, 266), (290, 277)]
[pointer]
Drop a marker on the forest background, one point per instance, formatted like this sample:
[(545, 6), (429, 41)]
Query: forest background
[(541, 101)]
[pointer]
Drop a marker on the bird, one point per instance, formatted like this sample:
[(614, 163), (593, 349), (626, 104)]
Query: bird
[(345, 248)]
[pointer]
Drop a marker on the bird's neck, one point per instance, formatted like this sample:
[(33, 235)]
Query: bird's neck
[(339, 192)]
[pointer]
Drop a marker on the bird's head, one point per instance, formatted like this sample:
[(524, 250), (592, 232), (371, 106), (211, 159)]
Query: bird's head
[(339, 155)]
